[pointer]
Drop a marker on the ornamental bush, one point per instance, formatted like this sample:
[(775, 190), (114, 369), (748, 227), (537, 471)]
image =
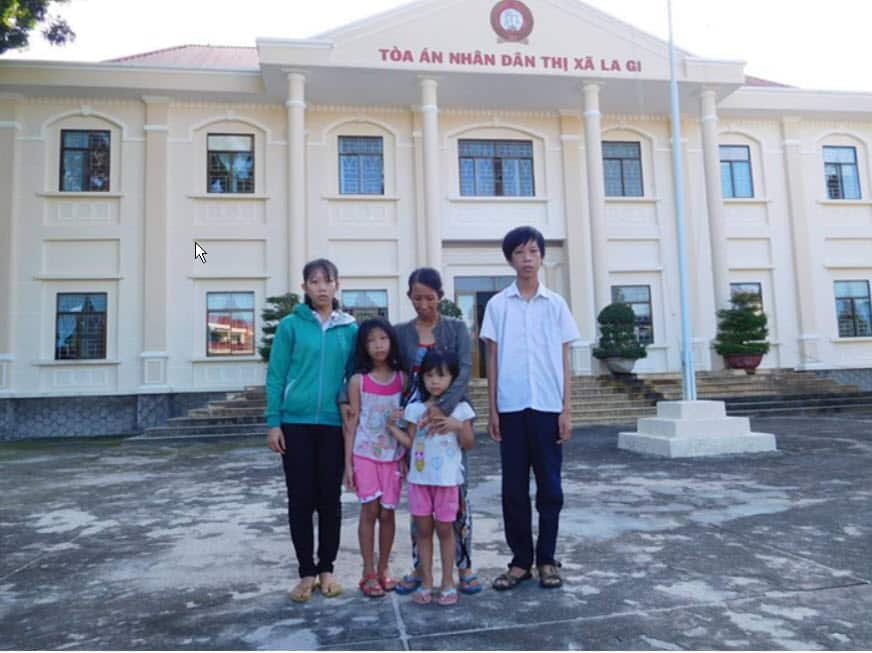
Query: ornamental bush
[(279, 307), (618, 337), (742, 328), (449, 309)]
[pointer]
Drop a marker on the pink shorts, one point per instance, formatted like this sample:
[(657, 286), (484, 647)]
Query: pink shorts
[(377, 480), (441, 502)]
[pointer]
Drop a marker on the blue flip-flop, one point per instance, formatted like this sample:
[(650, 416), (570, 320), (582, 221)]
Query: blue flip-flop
[(408, 584), (467, 588)]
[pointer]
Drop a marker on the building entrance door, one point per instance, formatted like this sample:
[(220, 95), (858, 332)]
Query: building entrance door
[(472, 294)]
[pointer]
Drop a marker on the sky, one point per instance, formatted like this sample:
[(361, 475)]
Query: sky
[(806, 43)]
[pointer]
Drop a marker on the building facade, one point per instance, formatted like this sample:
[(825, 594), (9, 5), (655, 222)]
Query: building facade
[(416, 137)]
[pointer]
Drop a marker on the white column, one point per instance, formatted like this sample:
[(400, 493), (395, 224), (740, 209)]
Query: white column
[(596, 195), (9, 128), (155, 338), (714, 201), (803, 252), (430, 129), (296, 187)]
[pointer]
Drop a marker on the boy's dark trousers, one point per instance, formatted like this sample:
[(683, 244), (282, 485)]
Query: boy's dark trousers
[(529, 438), (314, 462)]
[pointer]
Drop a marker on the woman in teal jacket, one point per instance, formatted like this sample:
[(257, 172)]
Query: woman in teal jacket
[(311, 357)]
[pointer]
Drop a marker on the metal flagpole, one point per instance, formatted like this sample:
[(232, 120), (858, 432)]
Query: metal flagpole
[(687, 370)]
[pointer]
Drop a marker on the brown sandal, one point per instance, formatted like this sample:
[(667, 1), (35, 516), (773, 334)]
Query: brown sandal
[(507, 580), (549, 576)]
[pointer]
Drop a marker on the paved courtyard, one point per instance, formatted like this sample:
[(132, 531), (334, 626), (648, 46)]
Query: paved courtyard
[(112, 544)]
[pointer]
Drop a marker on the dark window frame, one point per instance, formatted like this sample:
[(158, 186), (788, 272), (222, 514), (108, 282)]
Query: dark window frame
[(622, 159), (90, 155), (855, 328), (231, 311), (81, 317), (647, 339), (497, 160), (759, 292), (838, 192), (359, 155), (212, 176), (731, 163)]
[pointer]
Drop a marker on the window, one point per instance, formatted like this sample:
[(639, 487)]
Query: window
[(751, 288), (622, 169), (361, 165), (853, 309), (84, 160), (736, 171), (496, 168), (840, 171), (365, 304), (230, 163), (229, 323), (80, 327), (639, 299)]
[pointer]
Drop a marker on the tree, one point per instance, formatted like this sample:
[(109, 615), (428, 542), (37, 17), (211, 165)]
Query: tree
[(280, 306), (19, 17), (742, 328)]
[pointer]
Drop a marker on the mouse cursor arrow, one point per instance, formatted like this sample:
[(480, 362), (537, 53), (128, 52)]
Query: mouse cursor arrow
[(199, 252)]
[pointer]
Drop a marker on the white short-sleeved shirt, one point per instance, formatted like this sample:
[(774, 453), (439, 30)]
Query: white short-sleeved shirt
[(437, 458), (530, 336)]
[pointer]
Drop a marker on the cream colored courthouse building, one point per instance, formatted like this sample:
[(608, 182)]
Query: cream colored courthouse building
[(416, 137)]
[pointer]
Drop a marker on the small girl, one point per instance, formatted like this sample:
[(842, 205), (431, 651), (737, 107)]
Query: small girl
[(372, 456), (436, 470)]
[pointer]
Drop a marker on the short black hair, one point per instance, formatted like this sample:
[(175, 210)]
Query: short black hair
[(363, 363), (437, 359), (328, 269), (429, 277), (521, 236)]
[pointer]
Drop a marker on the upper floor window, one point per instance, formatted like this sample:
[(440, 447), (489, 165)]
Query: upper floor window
[(622, 168), (840, 171), (361, 165), (749, 288), (639, 299), (496, 168), (230, 167), (80, 326), (736, 171), (853, 309), (365, 304), (84, 160), (229, 323)]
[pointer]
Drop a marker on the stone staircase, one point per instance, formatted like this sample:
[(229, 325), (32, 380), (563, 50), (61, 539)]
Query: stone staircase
[(595, 400)]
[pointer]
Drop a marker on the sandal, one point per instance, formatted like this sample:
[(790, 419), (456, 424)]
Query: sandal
[(408, 584), (388, 584), (329, 590), (302, 591), (370, 586), (447, 597), (470, 584), (507, 580), (423, 595), (549, 576)]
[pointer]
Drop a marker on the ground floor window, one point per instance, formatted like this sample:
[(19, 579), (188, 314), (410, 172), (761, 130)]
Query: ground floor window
[(366, 304), (80, 326), (639, 299), (853, 309), (229, 323), (749, 288)]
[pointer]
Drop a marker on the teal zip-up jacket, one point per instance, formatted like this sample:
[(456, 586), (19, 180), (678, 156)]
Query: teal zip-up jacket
[(307, 366)]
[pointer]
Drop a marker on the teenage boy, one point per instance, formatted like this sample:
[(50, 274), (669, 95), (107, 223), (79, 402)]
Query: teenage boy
[(528, 329)]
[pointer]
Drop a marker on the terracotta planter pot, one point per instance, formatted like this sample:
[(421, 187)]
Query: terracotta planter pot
[(747, 362), (620, 365)]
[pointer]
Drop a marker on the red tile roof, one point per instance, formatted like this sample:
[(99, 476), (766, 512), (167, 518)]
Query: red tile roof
[(759, 81), (196, 56)]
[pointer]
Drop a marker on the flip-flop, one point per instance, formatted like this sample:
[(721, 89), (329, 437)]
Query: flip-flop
[(388, 584), (423, 595), (331, 591), (370, 587), (302, 596), (447, 597), (408, 584), (467, 586)]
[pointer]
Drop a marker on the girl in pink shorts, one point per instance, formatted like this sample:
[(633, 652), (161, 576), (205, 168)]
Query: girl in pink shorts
[(435, 471), (372, 456)]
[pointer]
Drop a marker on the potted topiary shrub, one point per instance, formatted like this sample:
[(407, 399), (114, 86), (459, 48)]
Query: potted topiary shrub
[(619, 345), (742, 333), (279, 307)]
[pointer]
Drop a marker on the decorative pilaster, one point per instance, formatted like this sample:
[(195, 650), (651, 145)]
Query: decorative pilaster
[(155, 335), (801, 241), (9, 128), (596, 196), (714, 201), (296, 106), (430, 130)]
